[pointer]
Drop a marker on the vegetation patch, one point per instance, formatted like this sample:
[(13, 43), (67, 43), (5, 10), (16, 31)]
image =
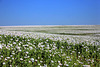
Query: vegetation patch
[(75, 33), (28, 52)]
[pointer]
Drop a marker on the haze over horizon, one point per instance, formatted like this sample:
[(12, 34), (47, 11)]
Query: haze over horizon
[(49, 12)]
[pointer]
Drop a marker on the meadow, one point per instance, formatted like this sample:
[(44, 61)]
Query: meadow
[(50, 46)]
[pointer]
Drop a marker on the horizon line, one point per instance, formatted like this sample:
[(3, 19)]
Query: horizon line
[(42, 25)]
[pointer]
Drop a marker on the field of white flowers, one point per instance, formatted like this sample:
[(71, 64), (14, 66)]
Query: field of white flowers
[(50, 46)]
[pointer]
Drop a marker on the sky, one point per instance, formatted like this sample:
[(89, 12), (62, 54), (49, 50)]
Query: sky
[(49, 12)]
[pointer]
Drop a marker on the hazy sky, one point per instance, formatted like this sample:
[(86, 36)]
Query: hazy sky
[(49, 12)]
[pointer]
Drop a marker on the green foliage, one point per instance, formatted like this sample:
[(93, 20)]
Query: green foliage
[(24, 52)]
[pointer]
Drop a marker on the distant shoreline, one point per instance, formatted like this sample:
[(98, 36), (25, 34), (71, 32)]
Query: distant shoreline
[(45, 25)]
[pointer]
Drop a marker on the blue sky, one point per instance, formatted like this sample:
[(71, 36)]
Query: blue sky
[(49, 12)]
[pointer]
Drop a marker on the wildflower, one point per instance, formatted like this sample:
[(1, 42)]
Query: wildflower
[(20, 50), (41, 61), (21, 58), (67, 57), (30, 47), (1, 56), (13, 58), (32, 59), (45, 65), (29, 61), (66, 64), (79, 52), (10, 65), (8, 57), (92, 60), (47, 47), (13, 53), (58, 66), (14, 42), (10, 60), (27, 52), (80, 62), (38, 57), (4, 63), (19, 43), (35, 60), (25, 45), (50, 51), (38, 64), (73, 51), (75, 64), (79, 56), (52, 61), (5, 59), (0, 46), (58, 61), (86, 65)]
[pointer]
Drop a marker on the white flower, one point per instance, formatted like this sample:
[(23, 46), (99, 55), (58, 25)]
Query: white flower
[(29, 61), (21, 58), (38, 57), (32, 59), (66, 64), (45, 65), (1, 56), (58, 61), (92, 60), (10, 60), (75, 64), (14, 42), (4, 63), (63, 54), (73, 51), (10, 65), (52, 61), (67, 57), (30, 47), (41, 61), (42, 46), (8, 57), (79, 52), (27, 52), (50, 51), (13, 53), (0, 46), (79, 56), (35, 60), (38, 64), (13, 58), (47, 47), (20, 50), (25, 45), (19, 43), (5, 59), (58, 66), (86, 65)]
